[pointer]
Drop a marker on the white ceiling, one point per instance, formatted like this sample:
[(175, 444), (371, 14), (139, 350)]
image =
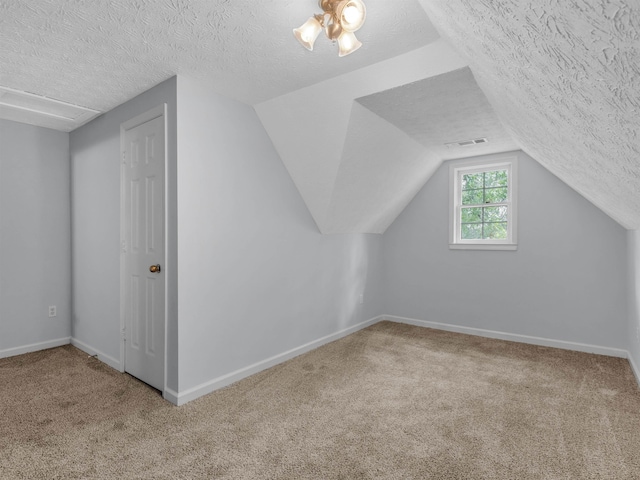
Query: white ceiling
[(99, 54), (564, 78), (558, 79), (443, 109), (374, 143)]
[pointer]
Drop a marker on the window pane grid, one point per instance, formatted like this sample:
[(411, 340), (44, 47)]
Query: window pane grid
[(483, 205), (486, 220), (484, 231), (485, 187), (479, 223)]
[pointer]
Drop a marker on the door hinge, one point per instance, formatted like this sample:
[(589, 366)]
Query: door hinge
[(124, 157), (124, 246)]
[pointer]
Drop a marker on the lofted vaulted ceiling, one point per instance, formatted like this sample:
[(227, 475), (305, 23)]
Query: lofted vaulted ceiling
[(359, 155), (360, 135), (564, 78)]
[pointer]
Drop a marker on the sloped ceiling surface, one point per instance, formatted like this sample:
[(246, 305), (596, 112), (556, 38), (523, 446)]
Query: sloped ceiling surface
[(564, 77), (360, 135), (355, 169), (443, 109), (380, 170), (359, 155)]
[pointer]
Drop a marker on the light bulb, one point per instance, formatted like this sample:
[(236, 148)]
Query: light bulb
[(308, 32), (352, 14), (348, 43)]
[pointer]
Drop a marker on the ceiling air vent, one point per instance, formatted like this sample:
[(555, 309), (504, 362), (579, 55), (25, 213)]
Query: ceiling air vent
[(467, 143), (28, 108)]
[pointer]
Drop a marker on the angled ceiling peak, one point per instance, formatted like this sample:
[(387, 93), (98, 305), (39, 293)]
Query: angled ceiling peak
[(564, 78), (359, 154)]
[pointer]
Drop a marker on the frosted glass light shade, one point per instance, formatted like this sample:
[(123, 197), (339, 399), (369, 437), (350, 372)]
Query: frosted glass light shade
[(352, 14), (308, 32), (348, 43)]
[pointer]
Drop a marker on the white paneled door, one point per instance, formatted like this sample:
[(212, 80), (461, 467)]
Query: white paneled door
[(143, 248)]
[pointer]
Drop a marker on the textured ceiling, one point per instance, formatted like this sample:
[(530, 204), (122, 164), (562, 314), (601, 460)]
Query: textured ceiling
[(23, 107), (564, 77), (442, 109), (361, 134), (98, 54)]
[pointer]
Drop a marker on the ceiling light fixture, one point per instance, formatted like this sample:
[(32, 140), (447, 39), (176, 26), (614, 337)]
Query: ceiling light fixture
[(340, 19)]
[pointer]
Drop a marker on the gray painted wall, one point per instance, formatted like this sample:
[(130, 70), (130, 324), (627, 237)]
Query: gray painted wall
[(567, 280), (634, 298), (256, 277), (95, 180), (35, 253)]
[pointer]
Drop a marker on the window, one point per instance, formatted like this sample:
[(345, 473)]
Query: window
[(483, 204)]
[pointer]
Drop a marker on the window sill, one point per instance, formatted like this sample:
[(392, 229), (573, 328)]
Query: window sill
[(483, 246)]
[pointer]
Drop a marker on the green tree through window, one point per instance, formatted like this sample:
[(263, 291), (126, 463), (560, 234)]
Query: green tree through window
[(483, 212), (483, 203)]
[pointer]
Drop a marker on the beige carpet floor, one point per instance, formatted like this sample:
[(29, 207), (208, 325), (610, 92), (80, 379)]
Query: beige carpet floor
[(389, 402)]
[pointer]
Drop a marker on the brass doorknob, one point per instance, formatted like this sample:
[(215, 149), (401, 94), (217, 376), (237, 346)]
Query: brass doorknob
[(155, 268)]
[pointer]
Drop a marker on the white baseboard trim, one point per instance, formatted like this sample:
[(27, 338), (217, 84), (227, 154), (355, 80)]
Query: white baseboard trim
[(634, 368), (513, 337), (170, 396), (103, 357), (217, 383), (34, 347)]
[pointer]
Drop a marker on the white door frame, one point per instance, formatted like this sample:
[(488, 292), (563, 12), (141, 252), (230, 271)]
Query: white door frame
[(159, 111)]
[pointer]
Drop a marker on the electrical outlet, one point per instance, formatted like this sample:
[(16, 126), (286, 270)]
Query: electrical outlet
[(52, 311), (361, 298)]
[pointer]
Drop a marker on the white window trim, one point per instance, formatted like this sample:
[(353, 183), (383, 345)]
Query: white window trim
[(487, 163)]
